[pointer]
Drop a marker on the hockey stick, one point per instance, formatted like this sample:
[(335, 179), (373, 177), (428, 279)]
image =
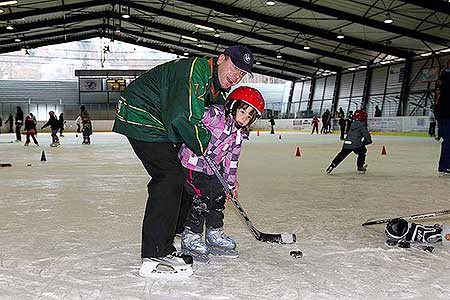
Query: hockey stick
[(287, 238), (408, 218)]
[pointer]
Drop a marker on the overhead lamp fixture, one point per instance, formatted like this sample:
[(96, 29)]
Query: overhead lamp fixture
[(239, 20), (270, 3), (6, 3), (257, 63), (117, 29), (186, 53), (352, 69), (306, 47), (17, 40), (10, 27), (426, 54), (388, 19), (189, 38), (126, 13), (445, 50), (217, 34), (204, 27), (199, 45), (362, 67), (279, 55), (1, 11), (340, 35)]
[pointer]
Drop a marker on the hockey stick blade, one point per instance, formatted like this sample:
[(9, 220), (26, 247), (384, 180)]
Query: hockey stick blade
[(407, 218), (286, 238)]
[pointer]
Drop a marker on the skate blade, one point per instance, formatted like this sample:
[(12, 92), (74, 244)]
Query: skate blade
[(224, 253), (200, 258)]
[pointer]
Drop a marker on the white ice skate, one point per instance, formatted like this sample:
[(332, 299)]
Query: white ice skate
[(174, 266), (363, 169), (55, 144), (220, 244), (192, 244)]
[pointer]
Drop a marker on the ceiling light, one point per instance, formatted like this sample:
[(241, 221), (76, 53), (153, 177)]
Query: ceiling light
[(340, 35), (126, 16), (306, 47), (351, 69), (216, 34), (5, 3), (186, 53), (362, 67), (279, 55), (189, 38), (1, 11), (257, 63), (10, 27), (239, 21), (118, 29), (17, 40), (426, 54), (270, 3), (199, 45), (204, 27), (388, 19), (445, 50)]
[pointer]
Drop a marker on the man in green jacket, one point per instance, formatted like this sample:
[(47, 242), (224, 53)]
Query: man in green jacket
[(159, 111)]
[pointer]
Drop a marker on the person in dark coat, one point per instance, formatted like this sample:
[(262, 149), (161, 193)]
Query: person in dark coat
[(54, 126), (61, 124), (349, 121), (377, 112), (30, 128), (341, 116), (272, 123), (1, 124), (443, 117), (325, 118), (355, 141), (19, 123), (10, 120)]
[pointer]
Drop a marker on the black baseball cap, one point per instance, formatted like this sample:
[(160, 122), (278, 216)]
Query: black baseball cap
[(241, 57)]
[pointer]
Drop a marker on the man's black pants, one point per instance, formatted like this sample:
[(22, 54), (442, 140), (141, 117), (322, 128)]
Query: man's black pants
[(164, 196)]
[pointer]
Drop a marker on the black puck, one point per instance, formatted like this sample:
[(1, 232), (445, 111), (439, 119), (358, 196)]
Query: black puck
[(296, 253)]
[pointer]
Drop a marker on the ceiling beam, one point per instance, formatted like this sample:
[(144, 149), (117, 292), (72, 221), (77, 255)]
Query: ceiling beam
[(439, 6), (339, 14), (194, 48), (244, 13), (221, 41), (245, 33)]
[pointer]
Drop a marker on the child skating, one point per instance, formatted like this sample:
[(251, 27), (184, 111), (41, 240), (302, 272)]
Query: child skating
[(229, 126), (30, 129), (356, 140), (54, 126)]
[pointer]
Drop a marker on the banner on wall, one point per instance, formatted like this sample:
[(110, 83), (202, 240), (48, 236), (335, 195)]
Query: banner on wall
[(429, 74), (395, 77), (91, 85)]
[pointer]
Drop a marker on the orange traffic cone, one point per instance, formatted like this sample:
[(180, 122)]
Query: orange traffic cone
[(383, 151), (298, 153), (257, 133)]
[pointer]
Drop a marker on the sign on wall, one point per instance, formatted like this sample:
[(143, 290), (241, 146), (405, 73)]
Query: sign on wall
[(90, 85)]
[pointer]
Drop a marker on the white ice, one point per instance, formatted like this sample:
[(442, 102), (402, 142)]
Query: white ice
[(70, 227)]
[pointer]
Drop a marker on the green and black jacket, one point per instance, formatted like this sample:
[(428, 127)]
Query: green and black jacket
[(167, 104)]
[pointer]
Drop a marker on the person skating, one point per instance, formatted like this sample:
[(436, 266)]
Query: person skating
[(19, 123), (356, 140), (158, 112), (341, 116), (54, 126), (30, 128), (62, 123), (443, 118), (10, 121), (87, 125), (229, 126), (315, 123), (272, 124)]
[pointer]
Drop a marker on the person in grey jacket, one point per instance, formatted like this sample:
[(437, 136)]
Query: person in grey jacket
[(356, 140)]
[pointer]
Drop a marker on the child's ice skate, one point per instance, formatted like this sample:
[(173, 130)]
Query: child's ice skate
[(220, 244), (192, 244), (330, 168), (363, 169), (27, 144), (54, 144)]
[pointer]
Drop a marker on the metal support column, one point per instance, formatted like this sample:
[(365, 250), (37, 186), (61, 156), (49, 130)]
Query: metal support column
[(366, 91), (291, 94), (311, 93), (404, 93), (337, 86)]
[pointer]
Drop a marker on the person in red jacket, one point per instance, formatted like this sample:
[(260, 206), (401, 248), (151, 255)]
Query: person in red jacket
[(30, 128), (315, 124)]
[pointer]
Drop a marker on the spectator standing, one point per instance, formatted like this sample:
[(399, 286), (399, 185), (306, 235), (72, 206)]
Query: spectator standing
[(315, 123), (1, 124), (61, 124), (341, 116), (432, 127), (377, 112), (87, 125), (10, 120), (349, 121), (443, 117), (54, 126), (19, 123), (30, 128), (325, 118), (272, 123)]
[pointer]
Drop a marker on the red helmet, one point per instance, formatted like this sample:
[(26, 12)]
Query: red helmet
[(360, 115), (248, 95), (51, 113)]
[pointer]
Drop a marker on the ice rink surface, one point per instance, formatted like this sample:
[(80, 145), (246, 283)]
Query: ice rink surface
[(70, 227)]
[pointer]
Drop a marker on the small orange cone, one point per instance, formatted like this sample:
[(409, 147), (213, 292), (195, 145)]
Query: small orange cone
[(383, 151), (257, 133), (298, 153)]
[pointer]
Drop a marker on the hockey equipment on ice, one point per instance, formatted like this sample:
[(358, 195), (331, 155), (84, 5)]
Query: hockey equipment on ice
[(296, 254), (401, 231), (288, 238), (407, 218), (172, 266)]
